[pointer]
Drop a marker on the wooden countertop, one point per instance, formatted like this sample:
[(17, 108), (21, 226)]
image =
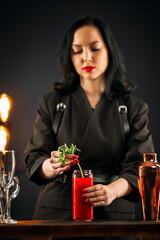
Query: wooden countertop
[(45, 230)]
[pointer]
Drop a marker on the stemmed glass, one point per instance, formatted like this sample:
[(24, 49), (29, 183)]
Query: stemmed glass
[(7, 169), (13, 192)]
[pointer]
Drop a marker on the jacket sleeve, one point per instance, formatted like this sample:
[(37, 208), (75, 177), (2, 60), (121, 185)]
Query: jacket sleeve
[(41, 143), (139, 142)]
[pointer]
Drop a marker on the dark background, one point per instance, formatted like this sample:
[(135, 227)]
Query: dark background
[(30, 34)]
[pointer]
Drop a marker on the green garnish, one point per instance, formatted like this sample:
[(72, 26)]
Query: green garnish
[(64, 149)]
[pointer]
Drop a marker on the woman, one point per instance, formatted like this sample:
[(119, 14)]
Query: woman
[(94, 84)]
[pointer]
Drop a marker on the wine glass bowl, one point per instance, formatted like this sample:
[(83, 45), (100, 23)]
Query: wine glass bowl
[(7, 167)]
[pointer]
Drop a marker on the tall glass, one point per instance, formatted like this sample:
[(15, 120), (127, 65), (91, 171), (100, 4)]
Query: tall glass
[(81, 211), (7, 169), (149, 186)]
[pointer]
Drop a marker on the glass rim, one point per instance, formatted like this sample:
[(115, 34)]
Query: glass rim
[(77, 170), (4, 151)]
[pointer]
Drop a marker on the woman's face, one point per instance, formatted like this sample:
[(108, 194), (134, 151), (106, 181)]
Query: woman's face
[(89, 53)]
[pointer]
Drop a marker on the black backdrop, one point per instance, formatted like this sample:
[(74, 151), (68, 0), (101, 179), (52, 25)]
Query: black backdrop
[(30, 34)]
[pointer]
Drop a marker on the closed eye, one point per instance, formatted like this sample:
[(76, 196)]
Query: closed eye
[(95, 49), (77, 52), (74, 52)]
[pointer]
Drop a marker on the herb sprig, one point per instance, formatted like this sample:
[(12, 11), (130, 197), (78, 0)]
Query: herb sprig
[(64, 149)]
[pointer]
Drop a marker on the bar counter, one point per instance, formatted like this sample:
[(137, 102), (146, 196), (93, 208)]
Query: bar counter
[(46, 230)]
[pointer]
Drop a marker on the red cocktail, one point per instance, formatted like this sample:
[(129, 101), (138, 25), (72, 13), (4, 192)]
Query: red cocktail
[(81, 210)]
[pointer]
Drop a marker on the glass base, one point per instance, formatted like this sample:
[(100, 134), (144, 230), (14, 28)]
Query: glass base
[(9, 221), (82, 219)]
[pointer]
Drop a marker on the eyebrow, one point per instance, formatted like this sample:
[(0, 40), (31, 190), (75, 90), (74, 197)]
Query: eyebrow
[(77, 45)]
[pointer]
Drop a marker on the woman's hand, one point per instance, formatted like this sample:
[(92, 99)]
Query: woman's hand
[(103, 195), (51, 167), (98, 195)]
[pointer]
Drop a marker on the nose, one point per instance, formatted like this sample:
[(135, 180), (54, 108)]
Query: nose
[(87, 55)]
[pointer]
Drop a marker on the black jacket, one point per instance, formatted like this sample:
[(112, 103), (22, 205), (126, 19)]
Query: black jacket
[(98, 134)]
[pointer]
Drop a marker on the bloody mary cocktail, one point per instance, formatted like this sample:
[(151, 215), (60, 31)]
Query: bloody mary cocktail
[(81, 211)]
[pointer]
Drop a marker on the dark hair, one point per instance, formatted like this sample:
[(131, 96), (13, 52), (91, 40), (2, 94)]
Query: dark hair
[(116, 81)]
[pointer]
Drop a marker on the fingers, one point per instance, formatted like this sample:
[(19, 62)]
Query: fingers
[(62, 169), (93, 194), (58, 166), (55, 156), (97, 195)]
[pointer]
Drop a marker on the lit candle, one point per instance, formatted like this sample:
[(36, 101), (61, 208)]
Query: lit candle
[(4, 137), (5, 106)]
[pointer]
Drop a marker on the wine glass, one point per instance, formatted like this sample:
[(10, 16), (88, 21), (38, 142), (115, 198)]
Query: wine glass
[(7, 169), (13, 192)]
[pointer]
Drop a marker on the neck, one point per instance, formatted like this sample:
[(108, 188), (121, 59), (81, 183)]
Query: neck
[(92, 87), (94, 90)]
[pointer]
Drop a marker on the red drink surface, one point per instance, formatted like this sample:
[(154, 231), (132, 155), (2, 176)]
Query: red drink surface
[(81, 211)]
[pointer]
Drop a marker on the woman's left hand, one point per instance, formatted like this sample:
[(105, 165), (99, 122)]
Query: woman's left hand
[(103, 195), (98, 195)]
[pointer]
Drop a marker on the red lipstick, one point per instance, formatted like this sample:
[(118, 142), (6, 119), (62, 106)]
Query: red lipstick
[(88, 68)]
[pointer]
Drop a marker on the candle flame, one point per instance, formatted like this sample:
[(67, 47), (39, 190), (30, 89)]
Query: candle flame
[(5, 106), (4, 137)]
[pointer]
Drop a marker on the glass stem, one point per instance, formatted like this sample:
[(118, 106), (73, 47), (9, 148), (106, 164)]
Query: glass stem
[(9, 207), (7, 203), (2, 209)]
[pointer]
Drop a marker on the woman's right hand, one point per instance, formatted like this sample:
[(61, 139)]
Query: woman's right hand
[(52, 167)]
